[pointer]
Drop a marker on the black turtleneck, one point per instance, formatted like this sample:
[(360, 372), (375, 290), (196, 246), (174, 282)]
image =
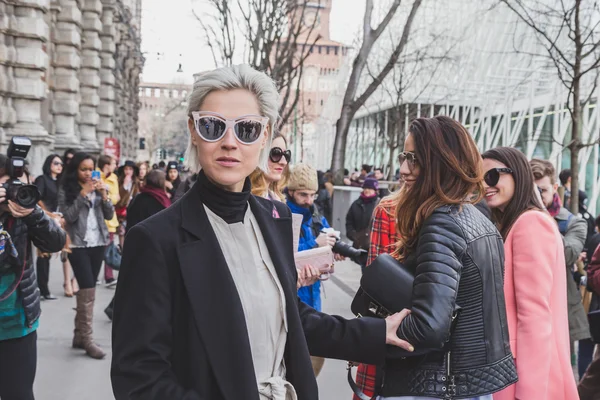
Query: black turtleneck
[(230, 206)]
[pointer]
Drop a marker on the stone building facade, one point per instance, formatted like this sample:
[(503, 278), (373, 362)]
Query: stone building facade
[(69, 74), (162, 119)]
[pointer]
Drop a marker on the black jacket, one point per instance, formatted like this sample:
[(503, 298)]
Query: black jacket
[(143, 206), (179, 328), (358, 219), (323, 202), (459, 260), (48, 188), (184, 187), (47, 236)]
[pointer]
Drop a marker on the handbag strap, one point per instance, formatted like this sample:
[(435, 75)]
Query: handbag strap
[(11, 289), (359, 393)]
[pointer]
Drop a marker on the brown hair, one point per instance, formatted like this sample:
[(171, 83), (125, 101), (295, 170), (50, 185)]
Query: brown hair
[(259, 180), (524, 198), (127, 196), (103, 160), (451, 171), (156, 178), (543, 168)]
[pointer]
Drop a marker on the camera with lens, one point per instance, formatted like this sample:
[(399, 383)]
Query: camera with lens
[(343, 248), (25, 195)]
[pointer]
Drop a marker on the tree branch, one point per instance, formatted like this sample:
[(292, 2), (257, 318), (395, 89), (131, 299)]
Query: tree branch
[(392, 60)]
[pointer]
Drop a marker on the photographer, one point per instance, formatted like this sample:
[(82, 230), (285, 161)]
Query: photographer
[(19, 293)]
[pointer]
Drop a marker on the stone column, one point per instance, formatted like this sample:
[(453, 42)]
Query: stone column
[(89, 75), (8, 115), (31, 36), (106, 109), (66, 63)]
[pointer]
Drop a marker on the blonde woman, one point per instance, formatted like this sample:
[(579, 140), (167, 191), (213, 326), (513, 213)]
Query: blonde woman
[(269, 184), (206, 306)]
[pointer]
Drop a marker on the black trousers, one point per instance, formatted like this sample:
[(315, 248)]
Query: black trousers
[(43, 274), (86, 263), (18, 359)]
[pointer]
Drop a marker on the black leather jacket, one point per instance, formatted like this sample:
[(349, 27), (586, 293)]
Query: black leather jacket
[(47, 236), (459, 260)]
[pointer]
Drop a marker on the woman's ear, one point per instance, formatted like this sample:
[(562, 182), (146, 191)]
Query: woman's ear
[(266, 136)]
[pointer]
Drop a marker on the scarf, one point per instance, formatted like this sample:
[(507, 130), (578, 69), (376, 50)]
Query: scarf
[(158, 194), (555, 207), (368, 199), (230, 206)]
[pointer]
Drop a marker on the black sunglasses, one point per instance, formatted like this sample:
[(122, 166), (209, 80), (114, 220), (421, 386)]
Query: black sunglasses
[(277, 153), (409, 157), (492, 177)]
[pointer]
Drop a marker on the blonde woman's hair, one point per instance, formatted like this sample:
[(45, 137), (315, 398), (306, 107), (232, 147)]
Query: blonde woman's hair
[(232, 78), (259, 180)]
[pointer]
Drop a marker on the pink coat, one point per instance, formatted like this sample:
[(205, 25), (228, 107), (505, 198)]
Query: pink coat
[(535, 289)]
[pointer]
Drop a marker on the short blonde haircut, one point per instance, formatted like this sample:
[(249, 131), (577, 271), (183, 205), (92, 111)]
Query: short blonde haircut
[(232, 78)]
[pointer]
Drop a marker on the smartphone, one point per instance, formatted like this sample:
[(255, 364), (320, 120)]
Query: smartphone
[(96, 175)]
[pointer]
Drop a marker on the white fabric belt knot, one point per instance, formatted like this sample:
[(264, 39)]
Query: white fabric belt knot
[(277, 388)]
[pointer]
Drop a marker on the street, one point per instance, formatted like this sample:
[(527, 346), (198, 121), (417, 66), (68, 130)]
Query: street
[(68, 374)]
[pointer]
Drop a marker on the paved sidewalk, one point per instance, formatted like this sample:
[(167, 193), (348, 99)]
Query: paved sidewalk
[(67, 374)]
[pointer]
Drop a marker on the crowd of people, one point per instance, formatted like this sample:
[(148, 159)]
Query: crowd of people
[(210, 302)]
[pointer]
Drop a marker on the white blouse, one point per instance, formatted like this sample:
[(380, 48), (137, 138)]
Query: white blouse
[(262, 298)]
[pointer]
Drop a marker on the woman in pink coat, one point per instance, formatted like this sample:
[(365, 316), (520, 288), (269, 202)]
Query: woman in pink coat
[(535, 285)]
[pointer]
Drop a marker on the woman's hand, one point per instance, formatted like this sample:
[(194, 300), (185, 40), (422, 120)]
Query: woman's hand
[(392, 323), (168, 185), (87, 188), (101, 188), (307, 276)]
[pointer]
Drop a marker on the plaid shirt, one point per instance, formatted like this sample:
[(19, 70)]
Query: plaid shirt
[(383, 239)]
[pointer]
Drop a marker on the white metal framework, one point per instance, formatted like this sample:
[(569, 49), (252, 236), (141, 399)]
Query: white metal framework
[(491, 82)]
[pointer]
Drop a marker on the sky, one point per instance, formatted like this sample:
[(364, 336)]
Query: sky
[(171, 35)]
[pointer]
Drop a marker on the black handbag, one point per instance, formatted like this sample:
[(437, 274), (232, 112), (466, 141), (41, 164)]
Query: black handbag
[(594, 320), (385, 289)]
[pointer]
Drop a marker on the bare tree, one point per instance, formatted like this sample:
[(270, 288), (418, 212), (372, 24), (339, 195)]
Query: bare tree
[(353, 101), (278, 37), (410, 78), (168, 127), (569, 31)]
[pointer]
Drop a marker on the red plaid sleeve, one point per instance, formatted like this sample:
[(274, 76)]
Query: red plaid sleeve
[(593, 272), (383, 239)]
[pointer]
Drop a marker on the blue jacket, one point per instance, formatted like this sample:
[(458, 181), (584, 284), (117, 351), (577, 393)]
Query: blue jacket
[(312, 223)]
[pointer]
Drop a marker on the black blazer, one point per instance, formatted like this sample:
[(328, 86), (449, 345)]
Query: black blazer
[(179, 330)]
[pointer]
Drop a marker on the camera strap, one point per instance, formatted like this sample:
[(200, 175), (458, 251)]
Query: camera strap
[(6, 244)]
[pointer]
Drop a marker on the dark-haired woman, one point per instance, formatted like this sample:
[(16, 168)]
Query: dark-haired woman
[(143, 169), (85, 205), (173, 178), (457, 322), (151, 200), (129, 187), (48, 187), (535, 280)]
